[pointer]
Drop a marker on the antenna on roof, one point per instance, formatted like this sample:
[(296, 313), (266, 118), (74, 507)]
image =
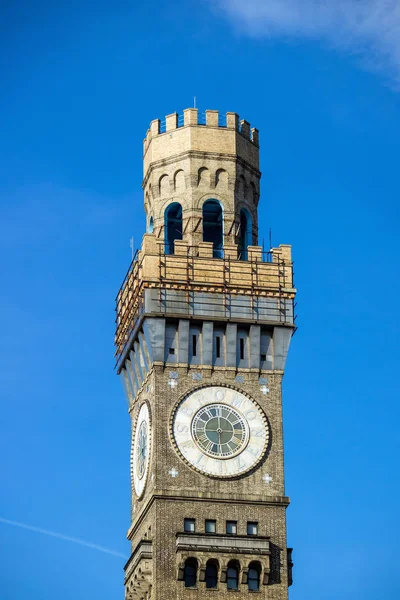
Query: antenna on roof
[(132, 245), (270, 238), (194, 101)]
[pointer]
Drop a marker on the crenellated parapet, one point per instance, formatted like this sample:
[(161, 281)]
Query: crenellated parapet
[(192, 118)]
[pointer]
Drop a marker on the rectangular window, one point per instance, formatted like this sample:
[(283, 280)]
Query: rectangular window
[(218, 346), (194, 345), (231, 527), (241, 342), (172, 350), (190, 525), (252, 528), (211, 526)]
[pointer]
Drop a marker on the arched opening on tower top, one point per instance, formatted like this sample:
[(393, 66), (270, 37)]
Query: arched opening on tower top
[(245, 232), (213, 228), (190, 573), (253, 576), (232, 575), (212, 574), (172, 226)]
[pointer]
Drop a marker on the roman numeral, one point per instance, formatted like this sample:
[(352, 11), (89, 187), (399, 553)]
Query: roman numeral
[(258, 432)]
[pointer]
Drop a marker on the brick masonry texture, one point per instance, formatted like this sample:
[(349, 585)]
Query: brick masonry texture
[(168, 501)]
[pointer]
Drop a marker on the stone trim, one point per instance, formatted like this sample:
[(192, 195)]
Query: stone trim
[(281, 501), (206, 542)]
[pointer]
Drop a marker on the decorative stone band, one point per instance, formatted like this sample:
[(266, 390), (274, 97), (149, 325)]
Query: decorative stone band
[(222, 543)]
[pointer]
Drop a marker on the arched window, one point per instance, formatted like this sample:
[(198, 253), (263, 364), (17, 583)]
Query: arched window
[(190, 573), (245, 233), (221, 178), (253, 577), (203, 177), (253, 193), (179, 181), (173, 226), (242, 187), (213, 226), (163, 185), (150, 227), (211, 574), (232, 576)]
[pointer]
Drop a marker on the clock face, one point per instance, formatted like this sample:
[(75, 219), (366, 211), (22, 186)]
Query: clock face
[(141, 450), (220, 431), (141, 454)]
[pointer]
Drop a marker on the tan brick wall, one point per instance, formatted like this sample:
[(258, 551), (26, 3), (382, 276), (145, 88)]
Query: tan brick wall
[(170, 516), (194, 495)]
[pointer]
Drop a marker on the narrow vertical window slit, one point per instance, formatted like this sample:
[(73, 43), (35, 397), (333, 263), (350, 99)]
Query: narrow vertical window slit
[(194, 345), (218, 346)]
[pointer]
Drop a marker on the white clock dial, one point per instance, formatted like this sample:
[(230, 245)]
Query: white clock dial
[(220, 431), (141, 450)]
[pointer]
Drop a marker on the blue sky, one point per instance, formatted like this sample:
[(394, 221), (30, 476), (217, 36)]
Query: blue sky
[(81, 81)]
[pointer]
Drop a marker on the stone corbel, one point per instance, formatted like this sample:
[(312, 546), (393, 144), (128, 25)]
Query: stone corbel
[(202, 574), (245, 573), (223, 575)]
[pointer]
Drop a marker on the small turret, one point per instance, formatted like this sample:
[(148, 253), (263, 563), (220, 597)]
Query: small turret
[(201, 181)]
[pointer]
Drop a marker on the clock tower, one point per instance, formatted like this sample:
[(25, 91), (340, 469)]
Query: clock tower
[(204, 322)]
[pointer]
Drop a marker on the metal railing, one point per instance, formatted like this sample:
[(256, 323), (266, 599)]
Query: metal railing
[(201, 120), (262, 275), (163, 123)]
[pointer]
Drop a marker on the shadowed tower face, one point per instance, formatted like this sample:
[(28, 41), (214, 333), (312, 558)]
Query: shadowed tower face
[(204, 322)]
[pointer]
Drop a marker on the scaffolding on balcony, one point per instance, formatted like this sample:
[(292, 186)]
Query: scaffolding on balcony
[(260, 285)]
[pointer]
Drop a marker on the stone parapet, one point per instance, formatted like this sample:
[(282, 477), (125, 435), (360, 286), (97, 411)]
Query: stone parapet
[(204, 133)]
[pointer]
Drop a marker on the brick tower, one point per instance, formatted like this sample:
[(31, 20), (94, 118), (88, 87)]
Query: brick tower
[(204, 322)]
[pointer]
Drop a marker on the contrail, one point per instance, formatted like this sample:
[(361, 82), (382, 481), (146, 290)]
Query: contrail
[(60, 536)]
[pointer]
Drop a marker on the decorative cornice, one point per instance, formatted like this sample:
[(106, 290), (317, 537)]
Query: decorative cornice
[(222, 543), (191, 496)]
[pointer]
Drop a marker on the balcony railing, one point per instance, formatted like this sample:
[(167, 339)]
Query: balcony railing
[(264, 274)]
